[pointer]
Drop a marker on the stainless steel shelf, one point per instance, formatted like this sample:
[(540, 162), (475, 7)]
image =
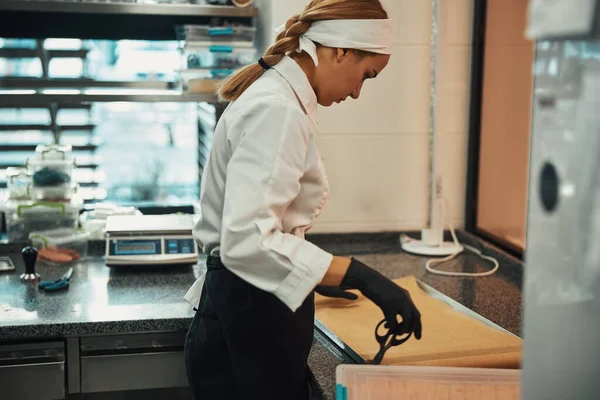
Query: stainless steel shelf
[(31, 146), (44, 127), (101, 96), (110, 21), (4, 165), (81, 83), (78, 7), (35, 53), (79, 106)]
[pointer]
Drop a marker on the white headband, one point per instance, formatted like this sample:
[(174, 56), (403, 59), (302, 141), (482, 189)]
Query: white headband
[(372, 35)]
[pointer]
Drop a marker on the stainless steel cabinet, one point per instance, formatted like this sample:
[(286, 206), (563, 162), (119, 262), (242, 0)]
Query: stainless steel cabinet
[(34, 371), (132, 362)]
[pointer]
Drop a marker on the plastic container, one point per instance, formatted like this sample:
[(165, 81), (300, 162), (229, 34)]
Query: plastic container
[(52, 165), (53, 151), (24, 217), (62, 166), (73, 240), (206, 73), (202, 80), (216, 57), (240, 35), (65, 191), (18, 181), (366, 382), (95, 227)]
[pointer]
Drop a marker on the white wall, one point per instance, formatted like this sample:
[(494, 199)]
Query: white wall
[(375, 149)]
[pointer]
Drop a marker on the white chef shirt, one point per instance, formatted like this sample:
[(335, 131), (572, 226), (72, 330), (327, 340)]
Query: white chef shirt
[(263, 187)]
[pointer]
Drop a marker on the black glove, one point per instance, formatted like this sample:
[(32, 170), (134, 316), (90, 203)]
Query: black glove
[(391, 298), (335, 292)]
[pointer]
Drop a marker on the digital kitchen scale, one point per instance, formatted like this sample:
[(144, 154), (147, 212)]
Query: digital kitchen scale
[(150, 240)]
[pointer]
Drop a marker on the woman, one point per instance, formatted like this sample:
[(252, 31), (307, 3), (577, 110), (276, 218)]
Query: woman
[(263, 187)]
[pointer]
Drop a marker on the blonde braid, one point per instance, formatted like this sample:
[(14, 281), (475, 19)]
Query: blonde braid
[(288, 41)]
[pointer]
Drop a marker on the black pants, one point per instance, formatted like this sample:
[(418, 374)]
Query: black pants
[(245, 343)]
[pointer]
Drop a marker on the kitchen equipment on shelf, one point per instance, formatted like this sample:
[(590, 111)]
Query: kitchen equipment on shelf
[(150, 240), (202, 80), (231, 35), (242, 3), (199, 55), (210, 53)]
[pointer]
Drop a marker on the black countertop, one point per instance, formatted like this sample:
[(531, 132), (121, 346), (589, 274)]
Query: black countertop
[(110, 300)]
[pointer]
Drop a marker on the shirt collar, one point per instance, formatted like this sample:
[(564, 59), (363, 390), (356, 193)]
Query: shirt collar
[(295, 76)]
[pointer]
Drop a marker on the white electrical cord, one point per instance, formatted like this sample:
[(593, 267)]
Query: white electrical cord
[(429, 264)]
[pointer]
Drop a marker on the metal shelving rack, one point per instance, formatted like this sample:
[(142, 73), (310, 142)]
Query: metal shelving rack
[(89, 20), (124, 20), (77, 96), (127, 7)]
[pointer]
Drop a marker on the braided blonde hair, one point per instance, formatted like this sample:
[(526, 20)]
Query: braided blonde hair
[(288, 40)]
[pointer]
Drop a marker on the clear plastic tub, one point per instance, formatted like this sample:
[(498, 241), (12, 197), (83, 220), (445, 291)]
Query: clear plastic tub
[(205, 73), (200, 85), (370, 382), (220, 34), (66, 166), (216, 57), (52, 165), (53, 151), (202, 80), (70, 241), (24, 217), (18, 181), (61, 192)]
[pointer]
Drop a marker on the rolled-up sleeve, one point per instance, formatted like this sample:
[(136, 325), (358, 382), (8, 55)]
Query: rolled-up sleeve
[(263, 178)]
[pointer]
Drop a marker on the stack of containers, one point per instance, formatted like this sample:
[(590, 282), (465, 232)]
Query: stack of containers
[(211, 53), (18, 180), (52, 173), (43, 195)]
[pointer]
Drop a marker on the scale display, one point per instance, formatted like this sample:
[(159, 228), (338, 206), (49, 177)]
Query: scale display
[(135, 247), (156, 250), (179, 246), (129, 247), (150, 240)]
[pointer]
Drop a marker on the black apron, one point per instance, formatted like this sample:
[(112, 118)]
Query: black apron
[(245, 343)]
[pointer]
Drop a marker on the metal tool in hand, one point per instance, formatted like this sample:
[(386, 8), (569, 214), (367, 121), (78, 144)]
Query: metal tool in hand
[(59, 284), (386, 341)]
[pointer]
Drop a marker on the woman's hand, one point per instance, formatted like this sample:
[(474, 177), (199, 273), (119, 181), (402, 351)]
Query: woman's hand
[(335, 292), (393, 300)]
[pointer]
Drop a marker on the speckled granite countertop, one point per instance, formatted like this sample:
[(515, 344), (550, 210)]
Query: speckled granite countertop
[(498, 298), (98, 300), (107, 300)]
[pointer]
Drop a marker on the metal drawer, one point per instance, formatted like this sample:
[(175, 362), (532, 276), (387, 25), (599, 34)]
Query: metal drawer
[(131, 362), (32, 371), (133, 371)]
